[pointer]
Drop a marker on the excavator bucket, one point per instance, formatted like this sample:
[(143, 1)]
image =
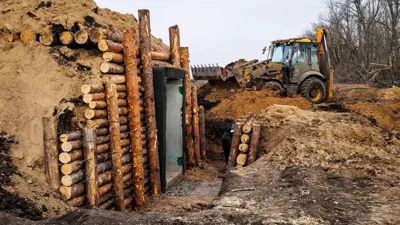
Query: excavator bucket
[(210, 72)]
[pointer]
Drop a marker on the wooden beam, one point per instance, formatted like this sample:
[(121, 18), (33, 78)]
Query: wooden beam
[(50, 126), (202, 128), (89, 149), (189, 161), (110, 46), (147, 80), (255, 137), (132, 85), (113, 117), (235, 144), (196, 130), (174, 44), (66, 37), (73, 136), (81, 37)]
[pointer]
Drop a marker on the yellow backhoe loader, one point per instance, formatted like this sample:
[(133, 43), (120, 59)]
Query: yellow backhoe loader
[(298, 65)]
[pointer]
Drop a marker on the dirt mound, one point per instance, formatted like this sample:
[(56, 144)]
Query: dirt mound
[(344, 143), (253, 102)]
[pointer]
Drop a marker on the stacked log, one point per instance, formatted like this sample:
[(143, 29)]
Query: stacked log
[(202, 128), (244, 144), (196, 129)]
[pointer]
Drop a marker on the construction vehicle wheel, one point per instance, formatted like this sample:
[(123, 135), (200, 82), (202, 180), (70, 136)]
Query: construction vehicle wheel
[(273, 85), (259, 83), (313, 89)]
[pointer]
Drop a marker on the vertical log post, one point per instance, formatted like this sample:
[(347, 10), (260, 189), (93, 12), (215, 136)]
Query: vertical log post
[(196, 130), (235, 144), (132, 86), (147, 80), (174, 43), (115, 139), (255, 137), (202, 125), (190, 162), (51, 151), (89, 152)]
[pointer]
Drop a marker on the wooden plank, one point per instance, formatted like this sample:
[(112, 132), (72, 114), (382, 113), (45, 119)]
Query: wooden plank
[(50, 126)]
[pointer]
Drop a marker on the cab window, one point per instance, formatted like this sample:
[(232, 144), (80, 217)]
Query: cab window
[(300, 55)]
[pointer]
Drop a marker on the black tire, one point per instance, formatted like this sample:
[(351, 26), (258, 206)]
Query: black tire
[(313, 89)]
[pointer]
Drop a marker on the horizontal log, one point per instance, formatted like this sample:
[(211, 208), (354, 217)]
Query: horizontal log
[(113, 57), (110, 46), (121, 95), (77, 202), (102, 139), (47, 39), (72, 191), (123, 128), (115, 79), (68, 180), (105, 198), (97, 34), (81, 37), (92, 88), (105, 189), (67, 157), (112, 68), (103, 104), (158, 63), (97, 123), (102, 131), (243, 147), (77, 135), (245, 138), (241, 159), (162, 56), (91, 113), (66, 37), (87, 98), (246, 128), (69, 168), (101, 148), (107, 205), (103, 167), (9, 35), (71, 145), (106, 177), (28, 36)]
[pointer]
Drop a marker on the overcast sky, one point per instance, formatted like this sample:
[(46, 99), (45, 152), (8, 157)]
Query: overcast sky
[(222, 31)]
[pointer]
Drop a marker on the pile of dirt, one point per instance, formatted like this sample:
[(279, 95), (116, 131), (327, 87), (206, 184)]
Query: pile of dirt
[(344, 143), (244, 102)]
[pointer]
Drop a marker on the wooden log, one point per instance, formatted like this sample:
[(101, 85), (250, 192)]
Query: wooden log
[(115, 79), (105, 189), (81, 37), (72, 191), (73, 136), (111, 68), (245, 138), (98, 123), (101, 148), (196, 129), (68, 180), (47, 39), (123, 120), (235, 144), (124, 128), (90, 114), (147, 82), (125, 142), (92, 88), (107, 205), (103, 104), (93, 97), (66, 37), (97, 34), (190, 160), (110, 46), (128, 201), (9, 36), (159, 63), (161, 56), (241, 159), (255, 137), (121, 95), (113, 57), (174, 43), (106, 177), (89, 149), (67, 157), (113, 117), (69, 168), (243, 147), (77, 202), (102, 139), (50, 127), (132, 84), (202, 128), (71, 145), (28, 36), (102, 131), (105, 198), (246, 128), (102, 157)]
